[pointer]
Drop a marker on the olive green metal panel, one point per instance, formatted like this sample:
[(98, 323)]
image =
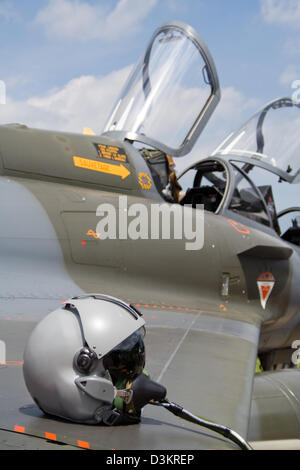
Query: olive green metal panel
[(275, 412), (83, 159)]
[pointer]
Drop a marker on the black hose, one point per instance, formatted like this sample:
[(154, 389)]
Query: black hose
[(218, 428)]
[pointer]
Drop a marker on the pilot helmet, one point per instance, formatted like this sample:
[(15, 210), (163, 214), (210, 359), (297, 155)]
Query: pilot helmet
[(78, 355)]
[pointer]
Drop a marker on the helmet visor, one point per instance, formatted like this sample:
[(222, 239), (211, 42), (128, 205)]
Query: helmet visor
[(127, 359)]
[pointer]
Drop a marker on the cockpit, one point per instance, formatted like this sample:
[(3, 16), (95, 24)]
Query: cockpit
[(206, 184), (254, 173), (162, 110), (220, 185)]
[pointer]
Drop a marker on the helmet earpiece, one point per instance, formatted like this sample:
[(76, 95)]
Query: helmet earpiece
[(85, 359)]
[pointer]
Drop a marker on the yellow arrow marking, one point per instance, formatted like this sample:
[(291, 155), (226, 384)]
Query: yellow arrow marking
[(117, 170)]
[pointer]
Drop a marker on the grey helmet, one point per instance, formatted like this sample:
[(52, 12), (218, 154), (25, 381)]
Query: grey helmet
[(77, 353)]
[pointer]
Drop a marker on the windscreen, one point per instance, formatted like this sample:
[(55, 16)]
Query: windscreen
[(166, 92)]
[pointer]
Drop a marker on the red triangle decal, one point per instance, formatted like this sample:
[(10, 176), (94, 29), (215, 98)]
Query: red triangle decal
[(264, 291)]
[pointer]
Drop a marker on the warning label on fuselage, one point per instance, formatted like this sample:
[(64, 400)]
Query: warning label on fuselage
[(111, 153)]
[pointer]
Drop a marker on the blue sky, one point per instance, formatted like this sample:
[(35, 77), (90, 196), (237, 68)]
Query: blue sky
[(64, 61)]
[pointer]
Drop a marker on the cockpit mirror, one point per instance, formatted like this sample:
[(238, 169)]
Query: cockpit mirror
[(170, 94)]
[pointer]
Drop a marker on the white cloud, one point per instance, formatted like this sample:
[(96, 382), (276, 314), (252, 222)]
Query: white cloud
[(127, 15), (79, 20), (83, 102), (285, 12)]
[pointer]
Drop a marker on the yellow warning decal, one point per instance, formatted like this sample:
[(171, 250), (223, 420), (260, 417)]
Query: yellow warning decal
[(145, 181), (93, 165), (111, 153)]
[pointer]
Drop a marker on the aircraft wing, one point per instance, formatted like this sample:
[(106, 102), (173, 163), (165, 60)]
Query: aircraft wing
[(206, 362)]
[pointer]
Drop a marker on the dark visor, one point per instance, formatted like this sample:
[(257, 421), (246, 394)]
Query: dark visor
[(127, 359)]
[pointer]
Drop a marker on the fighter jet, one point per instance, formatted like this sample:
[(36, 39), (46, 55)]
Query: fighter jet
[(218, 286)]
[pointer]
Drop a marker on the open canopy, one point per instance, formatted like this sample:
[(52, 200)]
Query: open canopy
[(171, 93), (270, 139)]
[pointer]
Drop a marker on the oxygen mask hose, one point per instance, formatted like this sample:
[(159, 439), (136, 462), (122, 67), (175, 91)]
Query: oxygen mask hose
[(146, 391), (226, 432)]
